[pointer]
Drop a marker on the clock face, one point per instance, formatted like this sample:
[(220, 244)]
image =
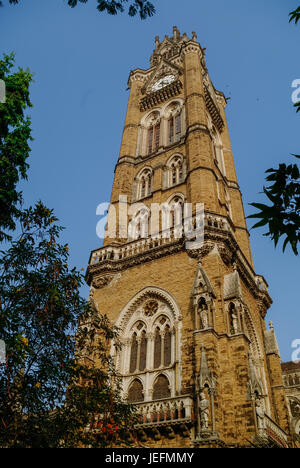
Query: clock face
[(165, 81)]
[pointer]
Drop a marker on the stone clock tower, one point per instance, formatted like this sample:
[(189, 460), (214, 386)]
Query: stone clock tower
[(197, 358)]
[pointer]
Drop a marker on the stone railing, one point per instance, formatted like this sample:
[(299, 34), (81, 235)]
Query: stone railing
[(178, 409), (275, 432), (164, 238)]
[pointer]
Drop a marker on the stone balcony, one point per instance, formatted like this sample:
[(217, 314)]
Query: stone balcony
[(165, 417), (135, 247), (218, 230), (274, 432)]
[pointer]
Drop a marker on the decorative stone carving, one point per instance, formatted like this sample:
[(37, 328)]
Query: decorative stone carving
[(234, 323), (204, 411), (203, 295), (102, 281), (150, 308), (204, 317), (260, 415), (205, 380)]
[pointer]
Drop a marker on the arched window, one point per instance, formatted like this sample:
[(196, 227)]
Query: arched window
[(139, 225), (135, 392), (138, 354), (174, 123), (161, 388), (153, 140), (162, 343), (150, 344), (144, 184), (176, 211), (176, 171)]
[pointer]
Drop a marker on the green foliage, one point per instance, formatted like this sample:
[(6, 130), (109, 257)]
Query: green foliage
[(142, 7), (56, 383), (297, 105), (15, 135), (295, 15), (283, 216)]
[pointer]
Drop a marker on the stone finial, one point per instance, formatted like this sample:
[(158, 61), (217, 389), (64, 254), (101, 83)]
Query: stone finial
[(194, 38), (156, 42), (271, 325), (176, 33)]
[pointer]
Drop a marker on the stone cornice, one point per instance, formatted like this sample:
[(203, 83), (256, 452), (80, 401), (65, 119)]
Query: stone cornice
[(227, 246), (191, 47)]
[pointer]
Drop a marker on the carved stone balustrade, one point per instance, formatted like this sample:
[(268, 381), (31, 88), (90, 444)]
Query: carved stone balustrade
[(166, 414)]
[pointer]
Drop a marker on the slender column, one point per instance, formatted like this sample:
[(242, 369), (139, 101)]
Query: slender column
[(150, 351), (139, 340), (162, 349)]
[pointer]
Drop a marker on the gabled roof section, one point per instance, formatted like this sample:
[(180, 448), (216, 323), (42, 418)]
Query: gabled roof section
[(202, 284), (163, 68), (232, 286)]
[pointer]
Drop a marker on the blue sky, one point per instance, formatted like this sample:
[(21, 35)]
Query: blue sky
[(81, 60)]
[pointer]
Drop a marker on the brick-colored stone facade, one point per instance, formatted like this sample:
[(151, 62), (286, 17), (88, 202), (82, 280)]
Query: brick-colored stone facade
[(224, 377)]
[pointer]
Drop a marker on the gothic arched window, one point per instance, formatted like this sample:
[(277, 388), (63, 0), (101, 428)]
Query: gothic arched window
[(139, 225), (176, 167), (153, 140), (174, 172), (176, 211), (135, 392), (138, 352), (161, 388), (162, 343), (144, 184), (174, 123), (150, 343)]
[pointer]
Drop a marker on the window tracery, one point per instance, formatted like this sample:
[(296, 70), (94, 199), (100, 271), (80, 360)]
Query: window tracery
[(149, 350), (161, 127)]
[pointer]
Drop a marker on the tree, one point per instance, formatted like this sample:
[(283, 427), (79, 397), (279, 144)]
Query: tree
[(15, 135), (58, 387), (142, 7), (283, 215), (295, 15)]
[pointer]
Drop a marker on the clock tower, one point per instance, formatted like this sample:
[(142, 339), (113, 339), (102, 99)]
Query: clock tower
[(175, 272)]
